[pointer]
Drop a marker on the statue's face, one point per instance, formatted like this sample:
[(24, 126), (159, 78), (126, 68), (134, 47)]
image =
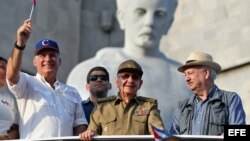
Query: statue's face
[(145, 22)]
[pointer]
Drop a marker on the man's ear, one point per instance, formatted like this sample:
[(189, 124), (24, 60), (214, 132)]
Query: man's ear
[(34, 61), (141, 82), (87, 87), (116, 81), (110, 86), (60, 61), (120, 19), (208, 74)]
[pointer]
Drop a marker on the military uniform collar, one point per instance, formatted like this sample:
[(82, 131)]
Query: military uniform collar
[(137, 100), (119, 99)]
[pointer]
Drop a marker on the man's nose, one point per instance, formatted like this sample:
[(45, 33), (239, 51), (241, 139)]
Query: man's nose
[(47, 57), (99, 79), (149, 19), (130, 78), (187, 78)]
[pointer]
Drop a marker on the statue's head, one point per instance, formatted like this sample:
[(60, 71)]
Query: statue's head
[(145, 21)]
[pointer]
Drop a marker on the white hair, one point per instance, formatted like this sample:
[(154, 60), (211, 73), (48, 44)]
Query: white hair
[(213, 73)]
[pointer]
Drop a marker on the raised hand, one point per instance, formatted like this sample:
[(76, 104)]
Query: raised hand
[(23, 33)]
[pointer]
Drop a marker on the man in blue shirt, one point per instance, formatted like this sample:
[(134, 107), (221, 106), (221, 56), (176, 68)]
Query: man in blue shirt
[(98, 86), (210, 108)]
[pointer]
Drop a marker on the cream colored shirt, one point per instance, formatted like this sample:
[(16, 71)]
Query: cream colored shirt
[(44, 111)]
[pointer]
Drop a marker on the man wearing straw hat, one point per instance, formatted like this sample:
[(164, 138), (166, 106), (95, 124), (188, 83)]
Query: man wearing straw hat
[(210, 108)]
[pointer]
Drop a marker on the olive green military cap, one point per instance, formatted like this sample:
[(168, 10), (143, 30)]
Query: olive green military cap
[(130, 66)]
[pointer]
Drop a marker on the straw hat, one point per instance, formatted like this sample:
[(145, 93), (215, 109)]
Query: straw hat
[(200, 59)]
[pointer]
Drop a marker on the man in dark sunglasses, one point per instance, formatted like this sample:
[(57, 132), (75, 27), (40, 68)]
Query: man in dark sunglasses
[(98, 86), (126, 113)]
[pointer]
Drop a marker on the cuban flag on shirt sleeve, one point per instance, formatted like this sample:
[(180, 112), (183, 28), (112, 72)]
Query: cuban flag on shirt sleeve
[(159, 134)]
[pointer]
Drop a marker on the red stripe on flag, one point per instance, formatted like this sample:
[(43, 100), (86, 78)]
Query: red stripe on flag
[(34, 2)]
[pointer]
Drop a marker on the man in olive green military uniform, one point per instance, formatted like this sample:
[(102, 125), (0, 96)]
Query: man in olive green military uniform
[(126, 113)]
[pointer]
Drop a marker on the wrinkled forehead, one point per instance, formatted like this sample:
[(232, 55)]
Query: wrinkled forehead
[(167, 4), (194, 68)]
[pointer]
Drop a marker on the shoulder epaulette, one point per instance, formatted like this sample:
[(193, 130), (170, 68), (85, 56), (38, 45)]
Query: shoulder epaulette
[(106, 99), (147, 99)]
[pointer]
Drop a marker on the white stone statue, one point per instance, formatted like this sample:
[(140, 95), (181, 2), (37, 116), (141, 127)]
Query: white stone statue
[(144, 23)]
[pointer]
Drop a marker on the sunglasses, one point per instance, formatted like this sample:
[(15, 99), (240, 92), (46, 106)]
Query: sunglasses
[(95, 77), (125, 76)]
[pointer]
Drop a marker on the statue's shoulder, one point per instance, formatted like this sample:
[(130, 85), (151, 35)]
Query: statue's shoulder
[(173, 63), (97, 59), (107, 51), (89, 62)]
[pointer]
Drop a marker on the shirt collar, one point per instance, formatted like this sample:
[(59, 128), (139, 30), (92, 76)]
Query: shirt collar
[(86, 101), (210, 94), (57, 84), (119, 99)]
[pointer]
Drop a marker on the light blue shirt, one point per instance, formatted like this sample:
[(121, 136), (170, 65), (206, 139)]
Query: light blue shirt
[(199, 111)]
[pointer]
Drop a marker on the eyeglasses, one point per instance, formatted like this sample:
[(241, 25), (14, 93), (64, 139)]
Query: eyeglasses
[(125, 76), (95, 77)]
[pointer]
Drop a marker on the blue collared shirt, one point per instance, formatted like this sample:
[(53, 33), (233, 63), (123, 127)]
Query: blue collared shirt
[(88, 107), (199, 111), (236, 111)]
